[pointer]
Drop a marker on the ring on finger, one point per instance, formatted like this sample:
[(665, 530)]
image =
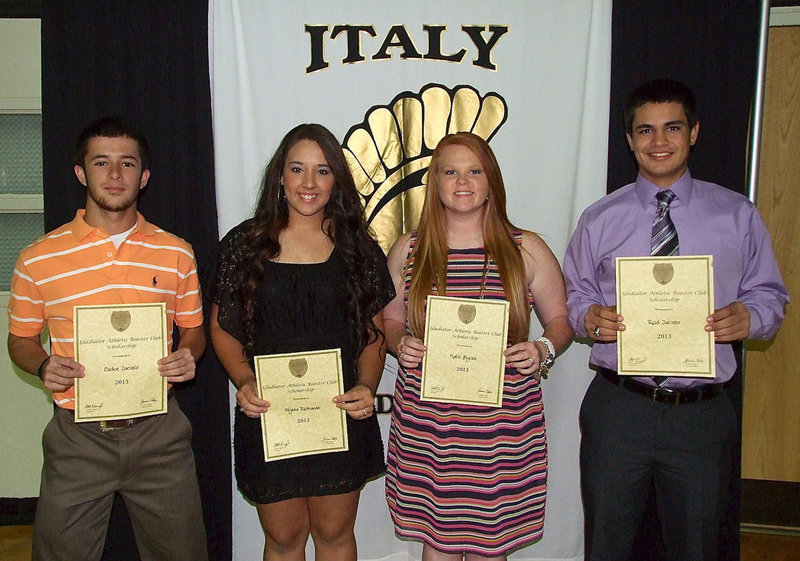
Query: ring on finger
[(400, 355), (596, 331), (530, 362), (365, 411)]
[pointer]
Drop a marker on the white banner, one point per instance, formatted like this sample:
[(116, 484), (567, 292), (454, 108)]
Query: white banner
[(532, 76)]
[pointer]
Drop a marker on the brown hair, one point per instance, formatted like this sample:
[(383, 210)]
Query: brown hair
[(347, 230), (429, 274)]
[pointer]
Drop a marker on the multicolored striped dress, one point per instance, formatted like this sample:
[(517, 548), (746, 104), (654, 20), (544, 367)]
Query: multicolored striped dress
[(466, 478)]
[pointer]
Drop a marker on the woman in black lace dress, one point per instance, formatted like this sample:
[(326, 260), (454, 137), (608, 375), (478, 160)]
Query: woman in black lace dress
[(303, 274)]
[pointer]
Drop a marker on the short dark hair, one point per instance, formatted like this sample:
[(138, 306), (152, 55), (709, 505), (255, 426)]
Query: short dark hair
[(111, 127), (661, 90)]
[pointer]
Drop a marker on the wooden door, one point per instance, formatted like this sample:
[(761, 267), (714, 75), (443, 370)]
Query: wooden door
[(771, 416)]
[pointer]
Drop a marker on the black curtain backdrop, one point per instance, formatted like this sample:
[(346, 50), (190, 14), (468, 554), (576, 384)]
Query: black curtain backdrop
[(148, 62), (711, 46)]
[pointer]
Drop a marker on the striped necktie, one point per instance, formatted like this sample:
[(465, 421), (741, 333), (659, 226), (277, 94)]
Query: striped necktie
[(664, 240)]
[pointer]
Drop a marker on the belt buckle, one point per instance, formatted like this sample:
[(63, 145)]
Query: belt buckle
[(106, 427), (665, 395)]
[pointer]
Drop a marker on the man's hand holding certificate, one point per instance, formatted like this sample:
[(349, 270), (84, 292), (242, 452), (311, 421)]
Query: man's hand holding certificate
[(302, 418), (120, 346), (665, 302), (464, 361)]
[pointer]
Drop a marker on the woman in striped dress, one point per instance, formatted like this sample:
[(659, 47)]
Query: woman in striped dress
[(469, 481)]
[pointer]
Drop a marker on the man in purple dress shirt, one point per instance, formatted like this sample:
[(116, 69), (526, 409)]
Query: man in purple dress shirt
[(678, 436)]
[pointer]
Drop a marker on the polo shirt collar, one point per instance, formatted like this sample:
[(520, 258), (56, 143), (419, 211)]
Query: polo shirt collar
[(81, 229), (646, 190)]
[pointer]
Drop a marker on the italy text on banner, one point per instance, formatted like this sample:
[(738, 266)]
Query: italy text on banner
[(389, 80)]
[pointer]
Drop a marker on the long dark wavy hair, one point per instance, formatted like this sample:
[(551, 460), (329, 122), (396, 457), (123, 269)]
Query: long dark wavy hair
[(343, 223)]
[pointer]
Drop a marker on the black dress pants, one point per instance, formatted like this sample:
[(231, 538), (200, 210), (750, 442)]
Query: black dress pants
[(629, 441)]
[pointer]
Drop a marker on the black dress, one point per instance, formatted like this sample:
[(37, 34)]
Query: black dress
[(301, 307)]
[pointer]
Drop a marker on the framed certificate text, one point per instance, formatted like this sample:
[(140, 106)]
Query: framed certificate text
[(665, 302)]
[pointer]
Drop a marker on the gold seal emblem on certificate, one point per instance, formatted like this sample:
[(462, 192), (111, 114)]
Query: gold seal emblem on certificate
[(663, 272), (298, 367), (120, 320), (464, 362), (466, 313)]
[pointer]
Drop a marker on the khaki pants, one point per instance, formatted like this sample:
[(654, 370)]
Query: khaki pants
[(152, 466)]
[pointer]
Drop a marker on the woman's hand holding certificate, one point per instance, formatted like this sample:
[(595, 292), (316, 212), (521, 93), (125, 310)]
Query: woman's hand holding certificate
[(465, 340), (301, 419)]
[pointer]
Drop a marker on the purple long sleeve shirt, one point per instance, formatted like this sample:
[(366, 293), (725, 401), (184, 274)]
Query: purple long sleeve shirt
[(710, 220)]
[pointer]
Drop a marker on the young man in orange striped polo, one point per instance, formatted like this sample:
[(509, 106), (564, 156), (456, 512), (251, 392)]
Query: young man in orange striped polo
[(109, 254)]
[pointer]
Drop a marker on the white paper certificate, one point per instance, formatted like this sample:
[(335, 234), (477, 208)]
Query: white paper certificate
[(464, 361), (665, 302), (302, 418), (119, 346)]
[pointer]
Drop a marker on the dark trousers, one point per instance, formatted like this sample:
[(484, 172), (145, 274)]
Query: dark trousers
[(629, 442), (151, 465)]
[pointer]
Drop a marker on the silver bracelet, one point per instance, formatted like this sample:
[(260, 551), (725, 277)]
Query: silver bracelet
[(550, 356)]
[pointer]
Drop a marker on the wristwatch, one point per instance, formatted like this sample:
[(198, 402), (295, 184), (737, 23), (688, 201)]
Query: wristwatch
[(550, 357)]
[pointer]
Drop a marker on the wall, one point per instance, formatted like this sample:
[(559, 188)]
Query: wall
[(25, 407)]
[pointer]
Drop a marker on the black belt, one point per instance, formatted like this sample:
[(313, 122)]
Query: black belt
[(120, 424), (662, 395)]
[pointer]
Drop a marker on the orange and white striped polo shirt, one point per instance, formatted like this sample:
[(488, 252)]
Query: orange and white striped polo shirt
[(77, 265)]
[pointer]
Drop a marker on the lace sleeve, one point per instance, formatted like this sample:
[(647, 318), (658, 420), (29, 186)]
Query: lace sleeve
[(381, 279), (222, 279)]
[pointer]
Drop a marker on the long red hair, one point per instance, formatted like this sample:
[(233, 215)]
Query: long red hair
[(429, 274)]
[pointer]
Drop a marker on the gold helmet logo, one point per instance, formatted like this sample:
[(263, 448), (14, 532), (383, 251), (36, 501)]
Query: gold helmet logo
[(390, 152)]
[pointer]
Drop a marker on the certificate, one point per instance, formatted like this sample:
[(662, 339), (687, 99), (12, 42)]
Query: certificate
[(464, 361), (119, 346), (302, 418), (665, 302)]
